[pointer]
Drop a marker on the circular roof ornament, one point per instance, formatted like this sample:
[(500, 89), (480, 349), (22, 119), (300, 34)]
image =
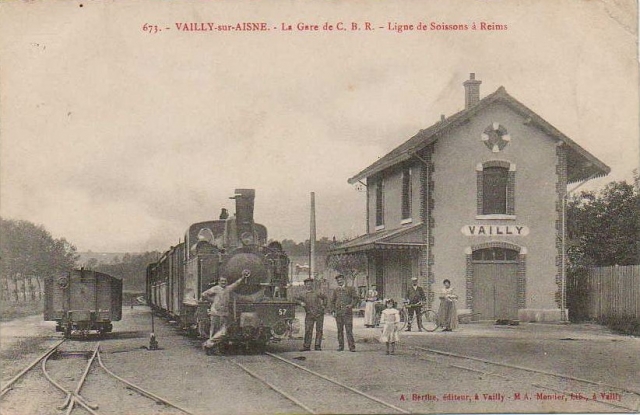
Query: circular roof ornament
[(495, 137)]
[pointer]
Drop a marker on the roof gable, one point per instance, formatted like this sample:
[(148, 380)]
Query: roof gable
[(581, 164)]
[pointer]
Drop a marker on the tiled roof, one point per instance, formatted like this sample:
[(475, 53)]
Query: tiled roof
[(408, 237), (581, 164)]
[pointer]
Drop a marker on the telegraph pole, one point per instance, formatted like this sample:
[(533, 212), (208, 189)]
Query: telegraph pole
[(312, 238)]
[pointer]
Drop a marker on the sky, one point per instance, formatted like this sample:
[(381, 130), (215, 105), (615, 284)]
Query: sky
[(117, 138)]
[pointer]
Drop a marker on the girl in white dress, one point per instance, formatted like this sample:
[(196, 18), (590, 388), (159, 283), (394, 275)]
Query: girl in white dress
[(389, 320)]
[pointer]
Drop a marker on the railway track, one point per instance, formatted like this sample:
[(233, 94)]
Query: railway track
[(309, 389), (560, 386), (61, 368)]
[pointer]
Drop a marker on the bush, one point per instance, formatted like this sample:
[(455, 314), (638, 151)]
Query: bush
[(623, 325)]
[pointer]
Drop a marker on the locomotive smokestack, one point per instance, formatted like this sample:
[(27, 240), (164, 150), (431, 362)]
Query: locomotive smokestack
[(244, 210)]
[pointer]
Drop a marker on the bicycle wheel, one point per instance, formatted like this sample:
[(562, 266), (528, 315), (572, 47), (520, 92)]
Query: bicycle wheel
[(403, 319), (429, 320)]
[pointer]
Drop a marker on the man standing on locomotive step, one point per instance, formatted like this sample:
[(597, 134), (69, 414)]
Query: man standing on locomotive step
[(313, 302), (220, 296), (343, 300), (416, 298)]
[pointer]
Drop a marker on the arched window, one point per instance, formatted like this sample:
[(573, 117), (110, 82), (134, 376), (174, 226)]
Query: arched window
[(496, 188)]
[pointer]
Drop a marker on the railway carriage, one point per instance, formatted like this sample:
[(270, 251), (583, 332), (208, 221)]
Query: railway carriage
[(231, 247), (81, 301)]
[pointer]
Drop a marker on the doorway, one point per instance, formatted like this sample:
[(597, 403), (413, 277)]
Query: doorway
[(495, 284)]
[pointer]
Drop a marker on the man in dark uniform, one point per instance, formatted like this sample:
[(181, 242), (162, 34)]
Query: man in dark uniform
[(416, 298), (343, 300), (313, 302)]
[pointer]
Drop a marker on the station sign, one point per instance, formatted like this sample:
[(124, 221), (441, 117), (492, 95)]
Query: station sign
[(495, 230)]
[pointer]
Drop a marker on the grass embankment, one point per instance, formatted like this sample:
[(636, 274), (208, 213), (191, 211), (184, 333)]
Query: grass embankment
[(10, 310)]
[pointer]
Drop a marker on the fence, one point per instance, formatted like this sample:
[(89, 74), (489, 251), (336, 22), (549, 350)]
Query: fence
[(604, 293)]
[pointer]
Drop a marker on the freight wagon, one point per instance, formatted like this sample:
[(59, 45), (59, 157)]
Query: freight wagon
[(81, 301)]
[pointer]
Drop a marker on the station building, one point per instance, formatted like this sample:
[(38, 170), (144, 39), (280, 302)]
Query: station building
[(477, 198)]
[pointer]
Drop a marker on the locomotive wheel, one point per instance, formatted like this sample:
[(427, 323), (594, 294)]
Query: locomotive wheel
[(222, 348), (258, 347)]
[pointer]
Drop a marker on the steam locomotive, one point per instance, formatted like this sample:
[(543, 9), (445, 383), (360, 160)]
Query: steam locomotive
[(231, 247)]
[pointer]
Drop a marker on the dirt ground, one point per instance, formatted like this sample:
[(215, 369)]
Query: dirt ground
[(182, 373)]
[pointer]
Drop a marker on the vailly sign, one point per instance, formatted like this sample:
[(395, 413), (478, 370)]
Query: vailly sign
[(495, 230)]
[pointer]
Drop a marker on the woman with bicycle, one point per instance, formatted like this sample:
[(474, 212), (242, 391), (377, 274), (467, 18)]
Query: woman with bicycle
[(448, 312)]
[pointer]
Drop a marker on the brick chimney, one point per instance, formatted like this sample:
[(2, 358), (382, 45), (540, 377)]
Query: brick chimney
[(471, 91)]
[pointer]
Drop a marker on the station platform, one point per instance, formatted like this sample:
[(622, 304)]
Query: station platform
[(552, 330)]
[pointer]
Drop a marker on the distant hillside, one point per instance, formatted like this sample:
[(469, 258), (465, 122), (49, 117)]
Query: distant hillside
[(130, 267)]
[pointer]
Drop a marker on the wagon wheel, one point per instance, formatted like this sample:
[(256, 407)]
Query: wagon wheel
[(257, 346), (261, 347)]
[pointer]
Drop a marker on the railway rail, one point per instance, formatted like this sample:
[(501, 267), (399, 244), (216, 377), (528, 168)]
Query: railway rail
[(73, 397), (314, 383), (620, 398)]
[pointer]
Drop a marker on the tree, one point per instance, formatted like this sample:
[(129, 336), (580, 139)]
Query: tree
[(603, 228), (29, 251), (131, 268), (92, 263), (349, 265)]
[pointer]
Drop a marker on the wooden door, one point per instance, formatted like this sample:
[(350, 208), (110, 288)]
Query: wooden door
[(495, 290), (83, 291)]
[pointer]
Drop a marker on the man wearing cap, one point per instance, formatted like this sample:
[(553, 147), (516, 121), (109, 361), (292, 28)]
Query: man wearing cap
[(343, 300), (220, 297), (313, 302), (416, 298)]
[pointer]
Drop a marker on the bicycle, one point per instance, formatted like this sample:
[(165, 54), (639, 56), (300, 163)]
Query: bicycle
[(429, 318)]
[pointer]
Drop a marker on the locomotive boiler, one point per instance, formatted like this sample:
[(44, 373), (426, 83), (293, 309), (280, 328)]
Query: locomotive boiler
[(233, 247)]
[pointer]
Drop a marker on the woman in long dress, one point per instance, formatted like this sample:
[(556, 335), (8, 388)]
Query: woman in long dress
[(448, 312), (389, 319), (370, 307)]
